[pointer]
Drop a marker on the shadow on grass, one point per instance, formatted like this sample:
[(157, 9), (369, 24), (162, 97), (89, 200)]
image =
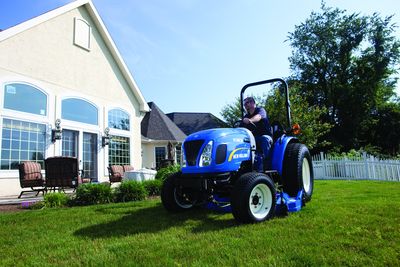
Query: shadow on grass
[(154, 219)]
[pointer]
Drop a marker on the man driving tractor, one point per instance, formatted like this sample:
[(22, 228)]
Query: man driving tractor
[(256, 120)]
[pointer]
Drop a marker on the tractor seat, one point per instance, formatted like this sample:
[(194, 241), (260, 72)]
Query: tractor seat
[(277, 130)]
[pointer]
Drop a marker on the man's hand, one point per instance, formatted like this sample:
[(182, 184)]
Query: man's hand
[(246, 120)]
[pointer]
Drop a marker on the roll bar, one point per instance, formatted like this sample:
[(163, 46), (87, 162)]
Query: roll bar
[(287, 102)]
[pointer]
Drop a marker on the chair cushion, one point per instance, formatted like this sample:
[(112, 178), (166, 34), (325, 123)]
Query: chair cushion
[(30, 174), (117, 171), (128, 168), (31, 170)]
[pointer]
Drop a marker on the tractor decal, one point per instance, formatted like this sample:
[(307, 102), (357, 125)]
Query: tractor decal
[(239, 155)]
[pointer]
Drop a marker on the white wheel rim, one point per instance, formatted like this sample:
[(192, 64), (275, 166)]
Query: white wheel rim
[(260, 201), (306, 175), (179, 203)]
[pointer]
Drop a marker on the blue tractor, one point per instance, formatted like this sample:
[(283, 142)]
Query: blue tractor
[(224, 168)]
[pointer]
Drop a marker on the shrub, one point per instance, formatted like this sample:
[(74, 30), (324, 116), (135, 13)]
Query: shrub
[(163, 173), (130, 191), (153, 187), (55, 200), (87, 194), (36, 206)]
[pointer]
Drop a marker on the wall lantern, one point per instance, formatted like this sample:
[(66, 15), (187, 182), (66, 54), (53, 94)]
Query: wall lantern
[(56, 133), (105, 139)]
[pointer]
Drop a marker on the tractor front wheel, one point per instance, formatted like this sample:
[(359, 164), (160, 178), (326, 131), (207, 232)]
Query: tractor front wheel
[(253, 198), (175, 198)]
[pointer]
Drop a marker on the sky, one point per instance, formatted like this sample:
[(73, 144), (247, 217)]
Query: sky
[(196, 55)]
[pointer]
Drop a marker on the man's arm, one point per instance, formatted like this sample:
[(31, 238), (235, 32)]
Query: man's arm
[(254, 119), (259, 114)]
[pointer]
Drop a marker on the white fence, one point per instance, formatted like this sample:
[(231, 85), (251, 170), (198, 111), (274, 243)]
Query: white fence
[(363, 168)]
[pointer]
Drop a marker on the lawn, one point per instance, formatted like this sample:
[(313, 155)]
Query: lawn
[(348, 223)]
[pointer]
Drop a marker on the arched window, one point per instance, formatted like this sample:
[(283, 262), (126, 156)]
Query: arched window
[(79, 110), (118, 119), (25, 98)]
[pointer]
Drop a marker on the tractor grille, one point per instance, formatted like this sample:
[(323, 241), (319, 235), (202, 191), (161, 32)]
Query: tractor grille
[(192, 149), (221, 154)]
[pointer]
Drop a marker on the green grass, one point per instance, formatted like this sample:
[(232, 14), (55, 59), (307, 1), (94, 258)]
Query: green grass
[(348, 223)]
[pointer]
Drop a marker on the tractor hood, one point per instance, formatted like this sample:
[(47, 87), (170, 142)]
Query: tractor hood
[(217, 150)]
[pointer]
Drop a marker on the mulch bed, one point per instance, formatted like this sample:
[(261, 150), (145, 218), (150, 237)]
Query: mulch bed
[(11, 208)]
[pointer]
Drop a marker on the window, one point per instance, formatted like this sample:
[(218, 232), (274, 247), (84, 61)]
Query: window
[(79, 110), (70, 141), (25, 98), (118, 119), (119, 151), (178, 150), (160, 155), (89, 155), (22, 141)]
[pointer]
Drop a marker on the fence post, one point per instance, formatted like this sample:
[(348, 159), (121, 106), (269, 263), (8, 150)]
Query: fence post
[(366, 165), (323, 165)]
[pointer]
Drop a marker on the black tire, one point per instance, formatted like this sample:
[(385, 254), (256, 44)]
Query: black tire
[(173, 198), (253, 198), (298, 171)]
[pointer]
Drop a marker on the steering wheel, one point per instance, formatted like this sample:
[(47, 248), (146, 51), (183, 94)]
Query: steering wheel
[(250, 126), (237, 124)]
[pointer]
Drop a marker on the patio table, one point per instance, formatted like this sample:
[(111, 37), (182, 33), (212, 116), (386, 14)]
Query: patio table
[(140, 175)]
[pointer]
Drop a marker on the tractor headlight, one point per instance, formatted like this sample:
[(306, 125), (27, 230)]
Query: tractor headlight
[(183, 162), (205, 158)]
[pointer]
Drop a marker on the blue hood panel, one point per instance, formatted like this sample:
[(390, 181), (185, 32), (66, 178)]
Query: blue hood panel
[(238, 143)]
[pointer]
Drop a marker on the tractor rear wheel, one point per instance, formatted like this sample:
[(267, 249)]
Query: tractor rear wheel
[(298, 171), (175, 198), (253, 198)]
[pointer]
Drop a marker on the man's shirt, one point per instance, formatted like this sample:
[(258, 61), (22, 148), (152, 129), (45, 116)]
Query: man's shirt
[(262, 127)]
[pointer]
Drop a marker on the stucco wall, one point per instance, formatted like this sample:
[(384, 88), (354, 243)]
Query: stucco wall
[(46, 57), (149, 157)]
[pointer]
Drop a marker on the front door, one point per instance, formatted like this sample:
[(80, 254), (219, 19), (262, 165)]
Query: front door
[(72, 141), (89, 156)]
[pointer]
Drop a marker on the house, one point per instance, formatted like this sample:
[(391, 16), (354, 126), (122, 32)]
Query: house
[(161, 138), (65, 90), (191, 122)]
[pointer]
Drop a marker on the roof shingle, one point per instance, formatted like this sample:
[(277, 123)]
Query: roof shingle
[(191, 122), (157, 126)]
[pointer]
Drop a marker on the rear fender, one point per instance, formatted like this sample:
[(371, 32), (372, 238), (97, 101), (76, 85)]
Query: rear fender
[(278, 152)]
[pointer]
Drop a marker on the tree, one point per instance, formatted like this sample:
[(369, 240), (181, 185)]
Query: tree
[(383, 136), (344, 64)]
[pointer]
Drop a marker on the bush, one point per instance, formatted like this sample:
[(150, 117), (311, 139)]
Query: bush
[(163, 173), (130, 191), (55, 200), (87, 194), (153, 187), (36, 206)]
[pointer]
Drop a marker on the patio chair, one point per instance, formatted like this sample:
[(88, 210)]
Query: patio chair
[(82, 179), (128, 168), (30, 176), (115, 173), (62, 172)]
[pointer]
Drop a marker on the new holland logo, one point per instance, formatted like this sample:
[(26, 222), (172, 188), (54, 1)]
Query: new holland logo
[(243, 153), (240, 156)]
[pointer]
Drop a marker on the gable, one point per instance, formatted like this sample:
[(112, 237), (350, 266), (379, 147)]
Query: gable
[(51, 48)]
